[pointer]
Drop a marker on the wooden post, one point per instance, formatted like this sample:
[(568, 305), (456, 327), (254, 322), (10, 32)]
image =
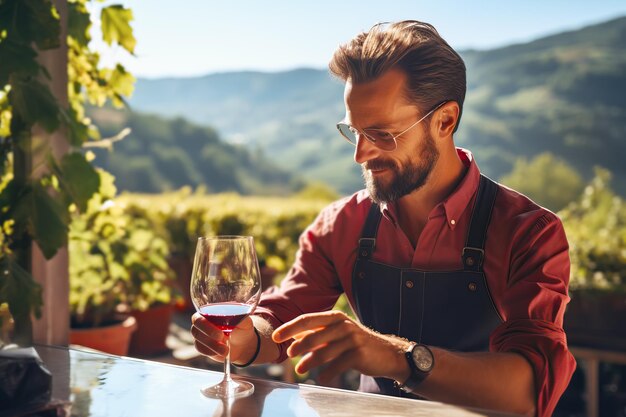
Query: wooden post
[(53, 274), (591, 358)]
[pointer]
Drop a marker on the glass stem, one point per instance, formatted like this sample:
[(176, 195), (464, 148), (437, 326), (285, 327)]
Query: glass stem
[(227, 377)]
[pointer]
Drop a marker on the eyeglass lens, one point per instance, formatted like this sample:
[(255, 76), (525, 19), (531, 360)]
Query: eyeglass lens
[(383, 139)]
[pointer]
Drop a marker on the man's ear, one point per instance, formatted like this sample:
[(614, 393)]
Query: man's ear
[(446, 118)]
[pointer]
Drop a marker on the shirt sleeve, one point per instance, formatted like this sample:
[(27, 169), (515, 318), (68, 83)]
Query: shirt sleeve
[(534, 304), (311, 285)]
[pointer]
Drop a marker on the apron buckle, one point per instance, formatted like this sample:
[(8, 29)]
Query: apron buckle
[(472, 257), (366, 247)]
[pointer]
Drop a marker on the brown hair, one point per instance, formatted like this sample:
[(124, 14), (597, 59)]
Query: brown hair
[(436, 72)]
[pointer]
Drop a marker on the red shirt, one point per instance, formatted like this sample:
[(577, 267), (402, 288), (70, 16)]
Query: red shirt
[(526, 266)]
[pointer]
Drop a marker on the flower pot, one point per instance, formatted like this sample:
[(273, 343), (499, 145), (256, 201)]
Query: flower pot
[(596, 319), (152, 328), (114, 338)]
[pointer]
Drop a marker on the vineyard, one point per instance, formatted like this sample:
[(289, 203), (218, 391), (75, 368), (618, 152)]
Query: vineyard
[(181, 217)]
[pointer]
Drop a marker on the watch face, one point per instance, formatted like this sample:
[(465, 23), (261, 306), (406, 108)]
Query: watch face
[(423, 358)]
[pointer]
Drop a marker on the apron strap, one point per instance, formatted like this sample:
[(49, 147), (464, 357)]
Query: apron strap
[(367, 242), (473, 253)]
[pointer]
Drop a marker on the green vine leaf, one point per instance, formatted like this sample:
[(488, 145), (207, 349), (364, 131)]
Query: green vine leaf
[(32, 21), (48, 222), (16, 58), (121, 83), (78, 23), (22, 292), (5, 122), (35, 103), (6, 14), (78, 178), (107, 185), (116, 26), (8, 195), (77, 132)]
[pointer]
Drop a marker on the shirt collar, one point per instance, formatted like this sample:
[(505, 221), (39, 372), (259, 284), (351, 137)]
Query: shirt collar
[(457, 202)]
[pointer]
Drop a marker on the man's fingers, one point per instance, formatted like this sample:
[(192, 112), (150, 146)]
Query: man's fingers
[(314, 340), (324, 355), (213, 350), (208, 338), (306, 322), (201, 333), (202, 325)]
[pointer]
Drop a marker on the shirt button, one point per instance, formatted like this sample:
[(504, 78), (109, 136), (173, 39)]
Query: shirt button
[(453, 222), (409, 284)]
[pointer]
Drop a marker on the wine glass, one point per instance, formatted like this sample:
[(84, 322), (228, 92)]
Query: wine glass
[(225, 288)]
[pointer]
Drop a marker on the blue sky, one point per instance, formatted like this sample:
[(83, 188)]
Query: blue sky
[(196, 37)]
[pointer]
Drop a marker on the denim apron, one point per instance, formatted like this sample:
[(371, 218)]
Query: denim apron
[(447, 309)]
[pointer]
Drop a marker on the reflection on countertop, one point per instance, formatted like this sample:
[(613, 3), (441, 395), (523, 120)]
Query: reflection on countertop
[(101, 385)]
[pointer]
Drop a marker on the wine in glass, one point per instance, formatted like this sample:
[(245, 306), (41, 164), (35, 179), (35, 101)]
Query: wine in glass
[(225, 288)]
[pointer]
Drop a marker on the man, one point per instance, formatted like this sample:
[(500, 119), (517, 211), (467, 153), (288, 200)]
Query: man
[(459, 284)]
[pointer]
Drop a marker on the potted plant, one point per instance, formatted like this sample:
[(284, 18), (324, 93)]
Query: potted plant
[(596, 230), (98, 280), (152, 289), (117, 271)]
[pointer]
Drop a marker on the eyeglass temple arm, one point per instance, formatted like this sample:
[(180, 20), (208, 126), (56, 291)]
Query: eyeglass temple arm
[(425, 116)]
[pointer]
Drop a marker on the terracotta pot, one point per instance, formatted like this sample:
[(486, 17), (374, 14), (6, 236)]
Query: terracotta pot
[(152, 328), (114, 338), (596, 319)]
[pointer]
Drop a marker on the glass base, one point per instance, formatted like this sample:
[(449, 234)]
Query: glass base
[(229, 389)]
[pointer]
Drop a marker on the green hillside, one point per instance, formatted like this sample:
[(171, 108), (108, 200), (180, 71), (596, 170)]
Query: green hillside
[(290, 115), (161, 154), (562, 94)]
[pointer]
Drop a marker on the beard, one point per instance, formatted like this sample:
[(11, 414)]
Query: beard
[(407, 177)]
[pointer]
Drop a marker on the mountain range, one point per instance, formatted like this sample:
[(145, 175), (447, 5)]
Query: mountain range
[(163, 154), (562, 94)]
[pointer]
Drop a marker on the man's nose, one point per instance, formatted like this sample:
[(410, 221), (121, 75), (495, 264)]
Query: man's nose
[(364, 150)]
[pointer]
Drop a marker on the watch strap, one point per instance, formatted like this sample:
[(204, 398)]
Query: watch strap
[(417, 376)]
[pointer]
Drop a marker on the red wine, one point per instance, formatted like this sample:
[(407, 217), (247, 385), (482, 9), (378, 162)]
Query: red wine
[(225, 316)]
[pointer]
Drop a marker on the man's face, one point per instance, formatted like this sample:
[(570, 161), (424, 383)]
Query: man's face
[(381, 104), (402, 176)]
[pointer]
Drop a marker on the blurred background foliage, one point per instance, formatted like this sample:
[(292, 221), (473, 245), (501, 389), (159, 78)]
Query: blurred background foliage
[(596, 229), (548, 180), (274, 222)]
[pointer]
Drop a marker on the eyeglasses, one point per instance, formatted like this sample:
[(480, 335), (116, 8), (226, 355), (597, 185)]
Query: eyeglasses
[(383, 139)]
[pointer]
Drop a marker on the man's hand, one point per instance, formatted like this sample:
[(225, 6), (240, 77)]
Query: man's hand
[(338, 342), (210, 341)]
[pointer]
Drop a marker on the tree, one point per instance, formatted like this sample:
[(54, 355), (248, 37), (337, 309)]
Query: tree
[(596, 230), (39, 188), (549, 181)]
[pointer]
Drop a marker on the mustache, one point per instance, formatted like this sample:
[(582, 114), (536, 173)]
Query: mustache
[(378, 164)]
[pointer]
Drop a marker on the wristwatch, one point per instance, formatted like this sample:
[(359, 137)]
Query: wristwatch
[(421, 361)]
